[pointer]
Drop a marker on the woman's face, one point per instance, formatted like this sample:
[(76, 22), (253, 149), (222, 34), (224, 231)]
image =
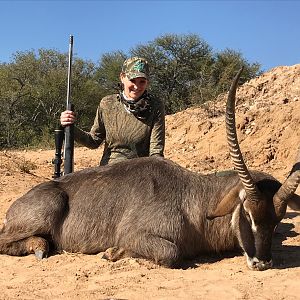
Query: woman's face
[(135, 87)]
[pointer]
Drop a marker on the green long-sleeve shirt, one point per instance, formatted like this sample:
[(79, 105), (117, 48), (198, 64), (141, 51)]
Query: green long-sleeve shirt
[(125, 135)]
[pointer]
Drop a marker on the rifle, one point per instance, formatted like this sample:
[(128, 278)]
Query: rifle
[(65, 134), (69, 130)]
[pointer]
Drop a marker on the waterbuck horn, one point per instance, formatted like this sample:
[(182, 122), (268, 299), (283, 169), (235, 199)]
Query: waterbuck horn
[(285, 193), (234, 148)]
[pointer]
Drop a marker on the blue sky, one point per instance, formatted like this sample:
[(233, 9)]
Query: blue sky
[(266, 32)]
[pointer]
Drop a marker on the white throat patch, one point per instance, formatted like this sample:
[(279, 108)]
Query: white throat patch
[(242, 195)]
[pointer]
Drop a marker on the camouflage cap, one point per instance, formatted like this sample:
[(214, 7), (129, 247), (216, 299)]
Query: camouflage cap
[(136, 67)]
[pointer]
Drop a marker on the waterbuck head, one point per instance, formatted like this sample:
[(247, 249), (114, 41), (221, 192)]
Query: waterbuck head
[(258, 203)]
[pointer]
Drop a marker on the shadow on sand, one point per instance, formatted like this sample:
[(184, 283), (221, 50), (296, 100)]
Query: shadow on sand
[(286, 256)]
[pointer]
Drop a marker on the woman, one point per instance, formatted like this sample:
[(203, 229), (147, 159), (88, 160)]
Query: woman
[(131, 123)]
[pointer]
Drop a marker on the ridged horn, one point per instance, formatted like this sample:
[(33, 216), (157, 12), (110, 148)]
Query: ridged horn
[(234, 148), (286, 191)]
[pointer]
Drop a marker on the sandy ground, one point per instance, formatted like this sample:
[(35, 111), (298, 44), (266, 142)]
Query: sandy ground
[(268, 121)]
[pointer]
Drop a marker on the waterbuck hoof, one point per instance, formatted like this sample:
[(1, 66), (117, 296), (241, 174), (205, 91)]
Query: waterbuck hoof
[(113, 254), (37, 245), (39, 254)]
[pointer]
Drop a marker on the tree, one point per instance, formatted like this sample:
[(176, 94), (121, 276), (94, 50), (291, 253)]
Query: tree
[(226, 64), (178, 62), (15, 98), (33, 94), (108, 71)]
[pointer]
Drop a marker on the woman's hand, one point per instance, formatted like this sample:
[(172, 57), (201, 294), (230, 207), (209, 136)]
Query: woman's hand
[(67, 117)]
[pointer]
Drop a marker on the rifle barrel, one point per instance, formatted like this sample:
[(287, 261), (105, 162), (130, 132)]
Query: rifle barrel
[(69, 130), (69, 71)]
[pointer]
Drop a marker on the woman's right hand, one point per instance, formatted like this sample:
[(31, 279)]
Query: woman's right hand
[(67, 117)]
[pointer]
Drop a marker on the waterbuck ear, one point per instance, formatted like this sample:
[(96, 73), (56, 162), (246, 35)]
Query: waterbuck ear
[(228, 203)]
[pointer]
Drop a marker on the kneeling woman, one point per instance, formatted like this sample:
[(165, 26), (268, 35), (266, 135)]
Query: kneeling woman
[(132, 123)]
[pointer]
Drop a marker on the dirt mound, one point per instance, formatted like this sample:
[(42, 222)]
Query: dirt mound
[(268, 115)]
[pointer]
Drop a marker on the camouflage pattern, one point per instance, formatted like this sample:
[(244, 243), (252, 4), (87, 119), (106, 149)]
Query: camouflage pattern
[(125, 136), (136, 67)]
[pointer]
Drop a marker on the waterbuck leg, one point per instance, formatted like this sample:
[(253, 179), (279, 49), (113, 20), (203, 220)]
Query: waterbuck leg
[(155, 248), (37, 245)]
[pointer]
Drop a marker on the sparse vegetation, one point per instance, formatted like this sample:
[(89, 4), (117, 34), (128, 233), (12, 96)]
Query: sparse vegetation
[(185, 72), (11, 163)]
